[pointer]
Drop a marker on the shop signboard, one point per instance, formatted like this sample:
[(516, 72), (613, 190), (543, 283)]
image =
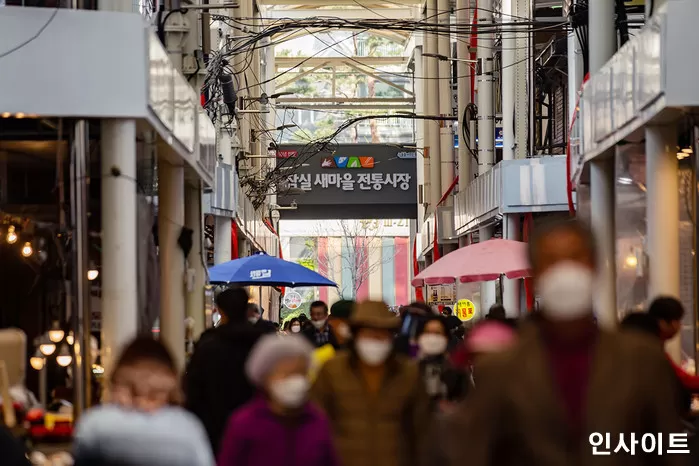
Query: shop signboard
[(350, 181), (465, 310), (441, 294), (292, 300)]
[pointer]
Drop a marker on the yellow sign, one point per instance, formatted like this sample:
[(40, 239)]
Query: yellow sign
[(465, 310)]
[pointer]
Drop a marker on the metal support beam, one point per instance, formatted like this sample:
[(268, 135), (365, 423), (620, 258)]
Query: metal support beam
[(295, 62), (305, 13), (345, 100), (316, 3), (302, 74), (376, 77), (349, 106)]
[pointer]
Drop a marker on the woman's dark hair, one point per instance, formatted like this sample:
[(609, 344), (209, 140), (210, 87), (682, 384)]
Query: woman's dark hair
[(422, 323), (145, 349), (302, 318), (666, 308), (641, 321)]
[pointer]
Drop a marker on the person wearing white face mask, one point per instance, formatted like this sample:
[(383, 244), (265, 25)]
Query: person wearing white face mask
[(280, 426), (542, 400), (320, 333), (374, 397), (443, 383)]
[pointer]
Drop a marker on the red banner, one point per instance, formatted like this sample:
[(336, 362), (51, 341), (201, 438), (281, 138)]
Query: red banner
[(416, 270)]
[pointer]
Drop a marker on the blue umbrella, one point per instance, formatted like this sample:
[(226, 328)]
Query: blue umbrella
[(264, 270)]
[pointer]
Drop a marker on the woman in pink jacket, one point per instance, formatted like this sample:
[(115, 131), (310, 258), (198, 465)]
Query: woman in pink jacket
[(280, 426)]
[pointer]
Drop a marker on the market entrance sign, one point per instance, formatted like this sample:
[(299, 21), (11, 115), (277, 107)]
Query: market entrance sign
[(350, 181)]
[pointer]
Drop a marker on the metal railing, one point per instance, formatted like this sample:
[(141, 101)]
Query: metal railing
[(478, 202)]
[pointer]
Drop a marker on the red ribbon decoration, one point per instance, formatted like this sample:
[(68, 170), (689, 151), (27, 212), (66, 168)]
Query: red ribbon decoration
[(419, 296), (234, 240)]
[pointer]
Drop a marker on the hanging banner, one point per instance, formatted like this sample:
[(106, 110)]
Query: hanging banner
[(441, 294)]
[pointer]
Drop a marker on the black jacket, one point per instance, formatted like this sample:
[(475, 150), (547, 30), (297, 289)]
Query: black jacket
[(12, 452), (215, 382), (310, 333), (265, 326)]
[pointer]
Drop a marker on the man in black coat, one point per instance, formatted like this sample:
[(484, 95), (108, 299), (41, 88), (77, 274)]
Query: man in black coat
[(255, 313), (215, 382), (12, 452)]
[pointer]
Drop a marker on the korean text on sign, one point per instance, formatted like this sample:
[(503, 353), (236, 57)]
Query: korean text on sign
[(632, 444), (348, 181)]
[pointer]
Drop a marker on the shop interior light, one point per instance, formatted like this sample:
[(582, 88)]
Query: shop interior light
[(46, 346), (92, 274), (27, 249), (625, 180), (56, 333), (682, 155), (12, 235), (70, 338), (631, 260), (38, 361), (97, 369), (687, 150), (64, 357)]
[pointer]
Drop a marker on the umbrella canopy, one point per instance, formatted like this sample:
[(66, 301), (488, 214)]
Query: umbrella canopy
[(478, 262), (264, 270)]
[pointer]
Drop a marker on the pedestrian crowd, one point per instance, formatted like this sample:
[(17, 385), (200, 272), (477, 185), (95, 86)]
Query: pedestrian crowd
[(357, 385)]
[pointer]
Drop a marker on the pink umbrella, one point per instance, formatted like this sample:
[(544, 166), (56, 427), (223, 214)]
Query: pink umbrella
[(478, 262)]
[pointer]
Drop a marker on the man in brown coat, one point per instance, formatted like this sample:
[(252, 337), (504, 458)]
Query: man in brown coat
[(569, 393), (374, 398)]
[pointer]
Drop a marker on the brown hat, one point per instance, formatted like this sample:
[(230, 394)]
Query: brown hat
[(374, 314)]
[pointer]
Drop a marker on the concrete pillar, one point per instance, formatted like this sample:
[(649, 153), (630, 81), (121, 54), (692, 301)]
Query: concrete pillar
[(223, 248), (432, 104), (602, 192), (463, 72), (575, 72), (423, 168), (119, 238), (511, 288), (507, 83), (446, 137), (486, 122), (196, 273), (663, 218), (602, 175), (170, 221)]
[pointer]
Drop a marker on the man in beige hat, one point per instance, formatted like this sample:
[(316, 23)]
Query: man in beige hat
[(374, 397)]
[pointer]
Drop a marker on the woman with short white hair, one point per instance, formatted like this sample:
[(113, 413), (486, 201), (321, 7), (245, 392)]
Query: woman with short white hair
[(280, 426)]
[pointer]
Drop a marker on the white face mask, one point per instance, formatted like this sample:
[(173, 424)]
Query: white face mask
[(253, 320), (566, 291), (319, 323), (295, 328), (432, 344), (290, 392), (373, 352)]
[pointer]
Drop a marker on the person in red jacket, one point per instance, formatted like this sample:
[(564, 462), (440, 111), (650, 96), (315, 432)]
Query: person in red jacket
[(668, 312)]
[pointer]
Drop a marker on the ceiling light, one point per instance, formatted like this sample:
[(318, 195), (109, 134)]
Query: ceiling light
[(64, 357), (70, 338), (687, 150), (681, 155), (38, 361), (11, 234), (27, 249), (19, 115), (631, 260), (46, 346), (92, 274), (56, 333)]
